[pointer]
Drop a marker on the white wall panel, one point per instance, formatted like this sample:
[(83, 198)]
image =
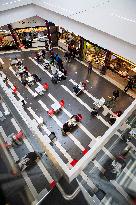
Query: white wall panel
[(9, 4), (103, 39), (17, 14), (115, 17), (29, 22)]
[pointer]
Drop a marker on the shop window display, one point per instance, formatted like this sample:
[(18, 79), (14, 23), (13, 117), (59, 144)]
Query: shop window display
[(30, 36), (94, 54), (123, 68), (69, 41), (6, 41)]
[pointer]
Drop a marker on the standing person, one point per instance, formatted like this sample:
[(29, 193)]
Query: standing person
[(89, 67), (129, 85), (1, 67), (67, 56), (43, 53), (52, 58), (23, 103), (14, 89), (5, 80), (46, 46), (115, 94)]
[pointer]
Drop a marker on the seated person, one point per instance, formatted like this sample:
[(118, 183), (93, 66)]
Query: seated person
[(53, 69), (14, 62), (43, 53), (67, 56), (19, 63), (46, 45), (36, 78), (114, 117), (76, 89), (61, 76), (66, 127), (24, 81), (27, 160), (65, 72), (26, 68), (52, 137), (84, 84), (5, 80), (55, 78), (77, 117), (38, 57), (94, 112)]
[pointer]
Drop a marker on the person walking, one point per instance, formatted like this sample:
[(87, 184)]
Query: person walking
[(115, 94), (23, 103), (89, 68), (1, 67), (129, 85), (6, 80)]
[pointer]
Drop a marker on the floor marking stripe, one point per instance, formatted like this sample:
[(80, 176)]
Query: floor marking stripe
[(39, 163), (6, 111), (15, 125), (30, 185), (129, 174), (57, 143), (88, 181), (85, 91), (40, 66), (63, 151), (99, 166), (13, 153), (70, 115), (24, 174), (108, 153), (29, 90), (1, 61), (91, 96), (85, 105), (61, 125), (18, 94), (32, 125), (77, 98)]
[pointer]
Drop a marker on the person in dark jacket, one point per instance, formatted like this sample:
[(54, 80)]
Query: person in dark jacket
[(115, 94), (89, 68), (129, 85)]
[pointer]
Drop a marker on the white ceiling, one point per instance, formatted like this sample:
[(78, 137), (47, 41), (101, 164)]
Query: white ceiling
[(115, 17), (109, 23)]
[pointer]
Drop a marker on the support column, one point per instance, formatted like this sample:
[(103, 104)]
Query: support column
[(48, 31), (15, 36)]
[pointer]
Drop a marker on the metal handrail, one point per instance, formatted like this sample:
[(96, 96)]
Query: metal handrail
[(68, 196)]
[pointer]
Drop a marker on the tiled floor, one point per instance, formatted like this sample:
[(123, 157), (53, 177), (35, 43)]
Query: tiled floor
[(72, 146)]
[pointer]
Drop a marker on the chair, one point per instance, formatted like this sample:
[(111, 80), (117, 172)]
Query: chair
[(45, 86), (50, 112), (14, 89), (62, 103), (80, 117)]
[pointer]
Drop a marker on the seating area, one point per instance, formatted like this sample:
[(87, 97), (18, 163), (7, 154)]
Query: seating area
[(56, 107)]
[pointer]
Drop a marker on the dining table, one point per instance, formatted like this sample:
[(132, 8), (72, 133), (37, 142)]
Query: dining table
[(56, 106), (40, 90)]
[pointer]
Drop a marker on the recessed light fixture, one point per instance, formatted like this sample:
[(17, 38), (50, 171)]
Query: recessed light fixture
[(124, 18)]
